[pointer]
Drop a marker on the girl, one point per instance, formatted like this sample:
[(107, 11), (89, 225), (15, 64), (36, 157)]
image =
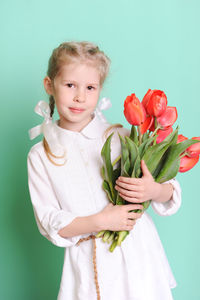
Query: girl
[(69, 203)]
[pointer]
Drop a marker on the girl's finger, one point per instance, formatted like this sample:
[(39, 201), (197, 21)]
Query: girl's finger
[(131, 199), (134, 215), (129, 180), (131, 222), (129, 207), (130, 187), (131, 194), (145, 169)]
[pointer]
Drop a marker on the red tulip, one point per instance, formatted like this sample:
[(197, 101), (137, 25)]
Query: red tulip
[(188, 163), (155, 102), (147, 124), (162, 134), (134, 111), (168, 118), (181, 138), (194, 150)]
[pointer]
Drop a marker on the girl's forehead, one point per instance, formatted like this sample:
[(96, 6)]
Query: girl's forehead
[(87, 70)]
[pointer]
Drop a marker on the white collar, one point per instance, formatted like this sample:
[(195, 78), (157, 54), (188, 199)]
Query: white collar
[(93, 130)]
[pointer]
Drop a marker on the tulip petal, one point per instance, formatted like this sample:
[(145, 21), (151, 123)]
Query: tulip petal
[(146, 98), (188, 163), (168, 118), (134, 111), (146, 124), (181, 138), (162, 134), (194, 150)]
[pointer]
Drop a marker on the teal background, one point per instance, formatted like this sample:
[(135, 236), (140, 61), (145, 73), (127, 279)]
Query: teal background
[(152, 44)]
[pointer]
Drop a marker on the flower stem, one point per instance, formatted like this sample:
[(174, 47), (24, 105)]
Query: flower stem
[(183, 154), (113, 246), (116, 160), (122, 235), (100, 234), (106, 236), (111, 237)]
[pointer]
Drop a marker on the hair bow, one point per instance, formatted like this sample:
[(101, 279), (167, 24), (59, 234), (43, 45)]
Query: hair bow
[(104, 104), (47, 128), (42, 109)]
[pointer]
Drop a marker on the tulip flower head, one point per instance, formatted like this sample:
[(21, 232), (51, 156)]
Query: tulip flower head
[(134, 111), (155, 102), (188, 163)]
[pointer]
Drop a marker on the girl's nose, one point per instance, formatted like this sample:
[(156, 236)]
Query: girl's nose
[(79, 97)]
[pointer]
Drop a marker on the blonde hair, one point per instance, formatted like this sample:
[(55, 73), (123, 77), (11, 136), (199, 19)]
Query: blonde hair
[(75, 52)]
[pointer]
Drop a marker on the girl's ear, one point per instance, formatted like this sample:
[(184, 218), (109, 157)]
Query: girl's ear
[(48, 85)]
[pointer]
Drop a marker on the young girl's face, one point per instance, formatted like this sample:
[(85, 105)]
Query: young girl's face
[(76, 90)]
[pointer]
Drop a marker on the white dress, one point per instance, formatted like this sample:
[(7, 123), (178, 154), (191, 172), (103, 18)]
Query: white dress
[(138, 270)]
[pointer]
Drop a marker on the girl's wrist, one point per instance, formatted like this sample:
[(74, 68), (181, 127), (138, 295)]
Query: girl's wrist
[(157, 192), (98, 222), (163, 192)]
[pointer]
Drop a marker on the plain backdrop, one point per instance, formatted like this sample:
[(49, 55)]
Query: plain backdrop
[(152, 44)]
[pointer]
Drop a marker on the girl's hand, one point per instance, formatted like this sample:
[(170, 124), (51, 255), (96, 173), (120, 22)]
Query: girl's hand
[(138, 190), (118, 217)]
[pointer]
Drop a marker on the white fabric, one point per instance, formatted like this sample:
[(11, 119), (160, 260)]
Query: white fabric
[(139, 269)]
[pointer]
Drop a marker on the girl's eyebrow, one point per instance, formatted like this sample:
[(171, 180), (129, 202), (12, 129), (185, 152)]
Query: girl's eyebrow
[(73, 81)]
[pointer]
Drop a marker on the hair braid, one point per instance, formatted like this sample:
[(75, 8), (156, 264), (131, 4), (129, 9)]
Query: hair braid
[(51, 105)]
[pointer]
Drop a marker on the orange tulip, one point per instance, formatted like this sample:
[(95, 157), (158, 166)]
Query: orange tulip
[(134, 111)]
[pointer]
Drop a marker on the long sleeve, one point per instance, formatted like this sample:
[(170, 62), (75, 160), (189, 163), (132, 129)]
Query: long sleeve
[(50, 218), (170, 207)]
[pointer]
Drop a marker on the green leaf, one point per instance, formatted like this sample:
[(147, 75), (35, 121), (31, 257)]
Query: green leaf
[(133, 154), (133, 135), (116, 174), (125, 162), (106, 188), (126, 168), (145, 136), (137, 168), (119, 200), (171, 163), (108, 168), (154, 154), (103, 172), (142, 148)]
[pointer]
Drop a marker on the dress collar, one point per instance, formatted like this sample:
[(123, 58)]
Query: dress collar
[(93, 130)]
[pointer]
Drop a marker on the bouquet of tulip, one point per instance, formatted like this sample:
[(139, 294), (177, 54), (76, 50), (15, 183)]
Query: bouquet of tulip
[(151, 139)]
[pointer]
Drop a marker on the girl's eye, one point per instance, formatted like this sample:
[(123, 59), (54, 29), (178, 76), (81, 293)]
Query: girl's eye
[(69, 85), (90, 87)]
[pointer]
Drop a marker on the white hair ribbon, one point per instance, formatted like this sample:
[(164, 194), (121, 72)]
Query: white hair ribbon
[(42, 109), (104, 104), (47, 128)]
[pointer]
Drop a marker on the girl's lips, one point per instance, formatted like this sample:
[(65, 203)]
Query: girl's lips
[(76, 110)]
